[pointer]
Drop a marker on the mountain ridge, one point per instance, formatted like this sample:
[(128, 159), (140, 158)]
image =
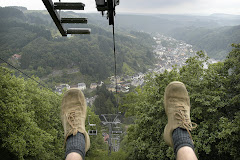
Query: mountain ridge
[(42, 49)]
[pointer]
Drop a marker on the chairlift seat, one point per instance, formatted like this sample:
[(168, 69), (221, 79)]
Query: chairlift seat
[(69, 6), (92, 132), (78, 31), (116, 132), (117, 127), (92, 125), (93, 129), (74, 20)]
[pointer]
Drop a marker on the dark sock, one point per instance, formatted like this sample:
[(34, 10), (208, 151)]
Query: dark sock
[(76, 144), (181, 138)]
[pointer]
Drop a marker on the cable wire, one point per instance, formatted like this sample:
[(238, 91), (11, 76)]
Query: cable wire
[(115, 64), (28, 76)]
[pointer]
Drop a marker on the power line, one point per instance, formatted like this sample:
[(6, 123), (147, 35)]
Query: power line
[(28, 76)]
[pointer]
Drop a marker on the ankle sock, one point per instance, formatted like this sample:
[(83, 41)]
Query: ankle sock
[(76, 144), (181, 138)]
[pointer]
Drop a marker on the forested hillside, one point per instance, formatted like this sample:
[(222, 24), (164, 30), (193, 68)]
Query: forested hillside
[(216, 42), (43, 51)]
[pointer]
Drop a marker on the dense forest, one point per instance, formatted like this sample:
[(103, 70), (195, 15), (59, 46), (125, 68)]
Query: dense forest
[(43, 52)]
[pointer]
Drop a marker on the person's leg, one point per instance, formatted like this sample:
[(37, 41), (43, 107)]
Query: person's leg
[(183, 145), (177, 131), (73, 116), (75, 147), (186, 153), (74, 156)]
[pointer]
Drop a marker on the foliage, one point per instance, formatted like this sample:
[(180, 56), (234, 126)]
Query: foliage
[(105, 102), (214, 95), (103, 154), (30, 126)]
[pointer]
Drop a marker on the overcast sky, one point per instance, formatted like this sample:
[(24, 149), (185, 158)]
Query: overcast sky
[(148, 6)]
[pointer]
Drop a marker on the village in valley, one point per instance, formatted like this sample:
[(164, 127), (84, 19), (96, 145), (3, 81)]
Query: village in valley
[(168, 52), (123, 85)]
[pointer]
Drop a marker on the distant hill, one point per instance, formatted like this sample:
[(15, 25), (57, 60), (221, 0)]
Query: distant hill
[(214, 33), (34, 36), (216, 42), (164, 23)]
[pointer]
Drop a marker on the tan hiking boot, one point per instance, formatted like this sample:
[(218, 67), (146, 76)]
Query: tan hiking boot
[(177, 108), (73, 114)]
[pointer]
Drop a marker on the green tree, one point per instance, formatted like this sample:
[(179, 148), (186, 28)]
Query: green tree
[(30, 126), (214, 101), (105, 102)]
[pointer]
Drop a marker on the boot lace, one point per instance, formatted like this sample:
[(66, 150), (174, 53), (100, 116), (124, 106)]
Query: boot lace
[(184, 121), (72, 119)]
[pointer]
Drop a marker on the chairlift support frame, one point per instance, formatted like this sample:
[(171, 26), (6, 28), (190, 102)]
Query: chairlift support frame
[(52, 10), (110, 120)]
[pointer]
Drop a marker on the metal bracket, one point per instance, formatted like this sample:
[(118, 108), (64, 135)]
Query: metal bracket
[(55, 16), (51, 8)]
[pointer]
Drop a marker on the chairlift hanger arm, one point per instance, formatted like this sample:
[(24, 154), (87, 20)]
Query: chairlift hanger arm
[(102, 5), (52, 7), (55, 16)]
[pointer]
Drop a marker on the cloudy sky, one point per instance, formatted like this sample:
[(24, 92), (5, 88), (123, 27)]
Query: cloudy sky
[(148, 6)]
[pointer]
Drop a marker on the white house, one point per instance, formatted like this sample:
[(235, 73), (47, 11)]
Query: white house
[(61, 87), (82, 86), (58, 90), (101, 83), (65, 86)]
